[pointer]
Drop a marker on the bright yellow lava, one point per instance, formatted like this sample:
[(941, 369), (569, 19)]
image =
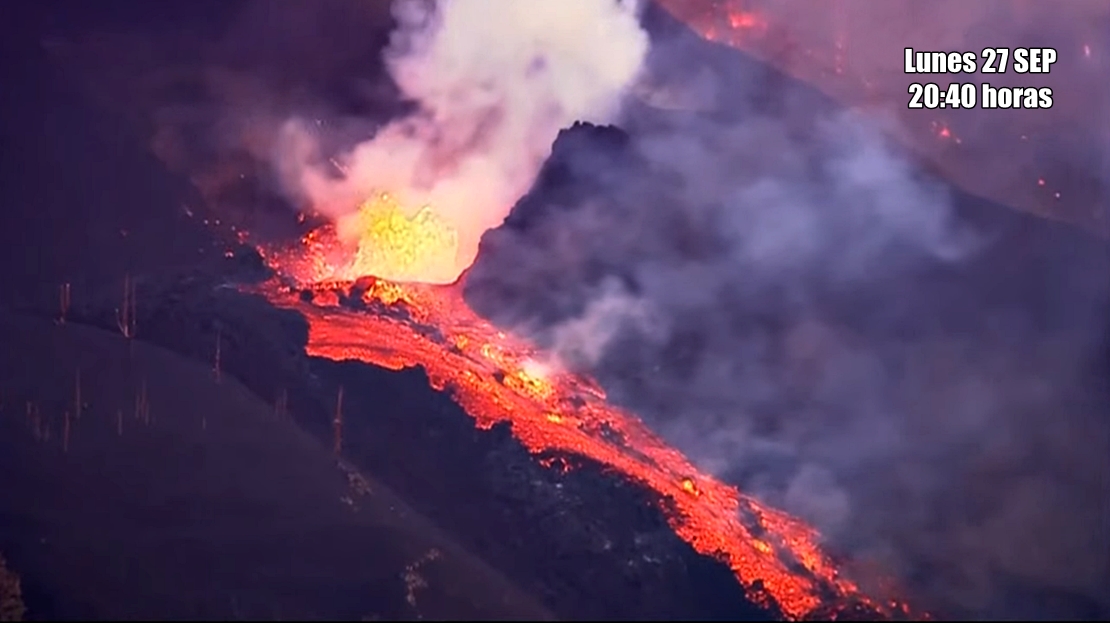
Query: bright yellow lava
[(392, 245)]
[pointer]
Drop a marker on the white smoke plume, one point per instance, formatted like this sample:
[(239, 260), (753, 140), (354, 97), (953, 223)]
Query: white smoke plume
[(582, 341), (493, 81)]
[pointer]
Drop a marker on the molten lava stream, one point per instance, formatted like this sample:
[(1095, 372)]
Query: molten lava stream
[(774, 556)]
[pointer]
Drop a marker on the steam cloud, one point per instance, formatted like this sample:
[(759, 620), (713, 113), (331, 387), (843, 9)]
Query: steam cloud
[(827, 329), (494, 82)]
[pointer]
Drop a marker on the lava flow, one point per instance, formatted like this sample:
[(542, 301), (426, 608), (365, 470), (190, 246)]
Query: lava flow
[(496, 377)]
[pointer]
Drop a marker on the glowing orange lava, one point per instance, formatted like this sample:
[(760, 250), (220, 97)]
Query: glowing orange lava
[(495, 377)]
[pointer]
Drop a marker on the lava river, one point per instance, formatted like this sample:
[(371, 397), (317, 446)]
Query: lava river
[(494, 377)]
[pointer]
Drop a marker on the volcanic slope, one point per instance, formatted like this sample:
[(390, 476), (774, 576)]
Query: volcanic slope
[(158, 491), (589, 542)]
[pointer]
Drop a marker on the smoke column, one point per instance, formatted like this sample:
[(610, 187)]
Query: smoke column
[(493, 82)]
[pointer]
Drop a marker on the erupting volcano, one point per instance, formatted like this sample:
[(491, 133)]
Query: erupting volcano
[(381, 283), (497, 377), (598, 310)]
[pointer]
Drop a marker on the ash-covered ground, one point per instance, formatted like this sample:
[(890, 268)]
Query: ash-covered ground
[(138, 484)]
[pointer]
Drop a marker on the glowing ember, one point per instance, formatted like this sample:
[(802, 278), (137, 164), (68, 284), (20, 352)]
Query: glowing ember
[(496, 378), (689, 487), (742, 20), (725, 21), (942, 131)]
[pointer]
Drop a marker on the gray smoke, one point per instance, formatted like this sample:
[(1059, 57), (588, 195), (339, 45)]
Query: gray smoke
[(801, 310)]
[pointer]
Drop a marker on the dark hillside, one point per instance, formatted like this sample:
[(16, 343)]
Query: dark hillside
[(173, 495)]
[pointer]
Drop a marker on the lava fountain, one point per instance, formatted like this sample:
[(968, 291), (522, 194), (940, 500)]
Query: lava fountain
[(389, 243), (496, 377)]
